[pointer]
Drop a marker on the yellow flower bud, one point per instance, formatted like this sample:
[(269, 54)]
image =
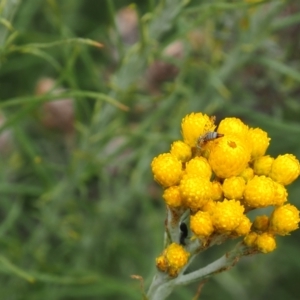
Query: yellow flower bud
[(284, 219), (201, 224), (259, 192), (250, 239), (227, 215), (209, 206), (233, 187), (199, 166), (261, 223), (176, 257), (181, 150), (265, 242), (217, 192), (195, 125), (280, 194), (167, 169), (195, 191), (259, 141), (229, 156), (233, 126), (244, 227), (161, 263), (172, 196), (285, 169), (262, 165), (247, 174)]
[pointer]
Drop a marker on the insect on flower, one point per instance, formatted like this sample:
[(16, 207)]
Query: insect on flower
[(209, 136), (183, 233)]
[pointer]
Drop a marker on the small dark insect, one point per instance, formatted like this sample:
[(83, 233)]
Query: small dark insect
[(183, 234), (210, 135)]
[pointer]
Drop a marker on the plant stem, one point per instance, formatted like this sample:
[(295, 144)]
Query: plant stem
[(7, 12)]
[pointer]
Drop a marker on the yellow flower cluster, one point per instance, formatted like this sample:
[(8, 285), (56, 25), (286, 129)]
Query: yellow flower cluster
[(173, 259), (282, 221), (221, 175), (264, 242)]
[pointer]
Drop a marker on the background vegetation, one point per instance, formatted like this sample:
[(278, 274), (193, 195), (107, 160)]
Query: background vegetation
[(79, 209)]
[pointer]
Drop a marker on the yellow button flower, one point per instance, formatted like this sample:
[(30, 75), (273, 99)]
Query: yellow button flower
[(233, 126), (195, 125), (261, 223), (195, 191), (247, 174), (161, 263), (265, 242), (217, 192), (259, 141), (259, 192), (284, 219), (201, 224), (199, 166), (206, 169), (209, 206), (233, 187), (229, 156), (285, 169), (244, 227), (280, 194), (172, 196), (176, 257), (227, 215), (181, 150), (250, 239), (167, 169), (262, 165)]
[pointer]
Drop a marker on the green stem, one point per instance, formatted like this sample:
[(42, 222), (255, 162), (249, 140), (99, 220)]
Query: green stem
[(224, 263), (7, 11)]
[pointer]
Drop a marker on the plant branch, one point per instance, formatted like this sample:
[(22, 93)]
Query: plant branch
[(224, 263)]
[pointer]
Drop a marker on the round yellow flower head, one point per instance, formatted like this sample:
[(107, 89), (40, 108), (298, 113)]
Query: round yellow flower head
[(259, 141), (233, 126), (172, 196), (247, 174), (217, 192), (167, 169), (244, 227), (195, 125), (285, 169), (199, 166), (280, 194), (176, 257), (201, 224), (284, 219), (195, 191), (161, 263), (261, 223), (229, 156), (259, 192), (265, 242), (262, 165), (181, 150), (233, 187), (250, 239), (209, 206), (227, 215)]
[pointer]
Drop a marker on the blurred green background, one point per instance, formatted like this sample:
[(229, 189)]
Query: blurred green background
[(80, 212)]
